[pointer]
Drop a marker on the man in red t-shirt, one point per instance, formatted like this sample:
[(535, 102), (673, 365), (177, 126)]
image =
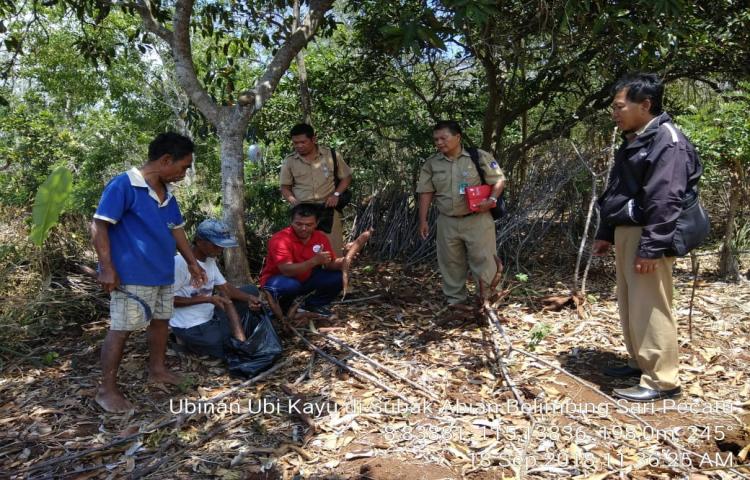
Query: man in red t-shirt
[(300, 260)]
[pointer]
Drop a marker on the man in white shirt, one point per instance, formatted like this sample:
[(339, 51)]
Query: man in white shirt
[(198, 324)]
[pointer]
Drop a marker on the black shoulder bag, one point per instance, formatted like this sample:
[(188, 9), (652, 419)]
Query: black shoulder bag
[(500, 209)]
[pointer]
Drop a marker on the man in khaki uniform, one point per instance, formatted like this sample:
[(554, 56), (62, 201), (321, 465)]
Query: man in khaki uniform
[(307, 177), (465, 240)]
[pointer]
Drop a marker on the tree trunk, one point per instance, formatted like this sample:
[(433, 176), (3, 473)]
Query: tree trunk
[(490, 113), (728, 264), (233, 199), (304, 91)]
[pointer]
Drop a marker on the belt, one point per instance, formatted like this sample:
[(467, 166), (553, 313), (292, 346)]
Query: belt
[(462, 216)]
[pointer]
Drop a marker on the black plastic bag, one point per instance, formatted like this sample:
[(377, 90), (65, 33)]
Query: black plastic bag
[(256, 354)]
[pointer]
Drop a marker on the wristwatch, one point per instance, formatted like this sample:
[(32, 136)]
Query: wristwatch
[(336, 194), (492, 198)]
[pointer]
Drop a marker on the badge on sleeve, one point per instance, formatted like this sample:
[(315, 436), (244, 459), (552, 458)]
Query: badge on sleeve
[(493, 164)]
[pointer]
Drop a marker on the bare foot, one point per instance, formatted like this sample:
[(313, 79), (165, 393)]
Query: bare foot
[(112, 401), (164, 376)]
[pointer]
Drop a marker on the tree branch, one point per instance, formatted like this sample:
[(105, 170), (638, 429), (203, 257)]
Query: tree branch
[(267, 83), (149, 21), (183, 59)]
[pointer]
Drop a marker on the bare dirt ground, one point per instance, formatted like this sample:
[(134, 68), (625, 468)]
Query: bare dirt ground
[(461, 420)]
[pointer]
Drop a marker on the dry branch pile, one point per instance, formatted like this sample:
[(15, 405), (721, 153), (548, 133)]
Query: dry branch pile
[(552, 203)]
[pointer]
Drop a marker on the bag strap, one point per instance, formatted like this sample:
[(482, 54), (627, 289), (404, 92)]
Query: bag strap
[(474, 154), (336, 178)]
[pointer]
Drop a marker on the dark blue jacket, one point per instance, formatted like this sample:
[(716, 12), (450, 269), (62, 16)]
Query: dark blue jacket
[(653, 176)]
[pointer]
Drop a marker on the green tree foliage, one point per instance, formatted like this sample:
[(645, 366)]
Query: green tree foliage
[(550, 65), (66, 111), (721, 133)]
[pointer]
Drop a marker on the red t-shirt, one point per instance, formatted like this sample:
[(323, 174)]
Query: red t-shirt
[(286, 247)]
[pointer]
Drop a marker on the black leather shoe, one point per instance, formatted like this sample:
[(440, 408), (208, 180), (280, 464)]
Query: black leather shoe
[(643, 394), (622, 372)]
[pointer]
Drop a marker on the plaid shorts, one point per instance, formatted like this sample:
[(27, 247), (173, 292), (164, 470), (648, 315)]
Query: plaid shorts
[(128, 314)]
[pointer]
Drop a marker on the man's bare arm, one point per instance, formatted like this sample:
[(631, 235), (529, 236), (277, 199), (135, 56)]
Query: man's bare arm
[(100, 240), (183, 246)]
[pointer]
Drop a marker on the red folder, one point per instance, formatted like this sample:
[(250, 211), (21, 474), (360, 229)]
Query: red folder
[(476, 194)]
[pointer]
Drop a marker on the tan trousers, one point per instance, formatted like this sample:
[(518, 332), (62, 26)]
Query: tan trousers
[(645, 305), (465, 243), (336, 237)]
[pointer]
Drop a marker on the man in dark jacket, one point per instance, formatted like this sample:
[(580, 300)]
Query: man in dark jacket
[(655, 169)]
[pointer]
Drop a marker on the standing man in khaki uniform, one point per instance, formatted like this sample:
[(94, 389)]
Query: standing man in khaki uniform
[(465, 239), (656, 171), (307, 177)]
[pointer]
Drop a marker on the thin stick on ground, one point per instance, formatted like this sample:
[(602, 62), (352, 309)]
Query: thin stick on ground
[(499, 356), (308, 371), (356, 372), (696, 266), (379, 365), (357, 300), (305, 418)]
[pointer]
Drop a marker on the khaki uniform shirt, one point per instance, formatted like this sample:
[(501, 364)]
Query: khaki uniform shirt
[(313, 182), (444, 177)]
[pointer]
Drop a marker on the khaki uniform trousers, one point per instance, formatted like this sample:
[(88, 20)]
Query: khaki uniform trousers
[(465, 243), (645, 305), (336, 237)]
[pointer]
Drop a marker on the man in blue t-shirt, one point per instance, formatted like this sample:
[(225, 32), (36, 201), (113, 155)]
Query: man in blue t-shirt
[(135, 231)]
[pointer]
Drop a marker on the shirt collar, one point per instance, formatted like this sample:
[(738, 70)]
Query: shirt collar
[(643, 129), (317, 157), (137, 180), (463, 153), (295, 238)]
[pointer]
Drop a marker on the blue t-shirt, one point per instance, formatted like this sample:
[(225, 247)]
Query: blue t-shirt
[(141, 241)]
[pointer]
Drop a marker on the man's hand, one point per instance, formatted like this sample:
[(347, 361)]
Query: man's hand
[(293, 201), (332, 201), (197, 275), (221, 302), (108, 278), (645, 265), (321, 258), (486, 205), (424, 230), (254, 303), (600, 248)]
